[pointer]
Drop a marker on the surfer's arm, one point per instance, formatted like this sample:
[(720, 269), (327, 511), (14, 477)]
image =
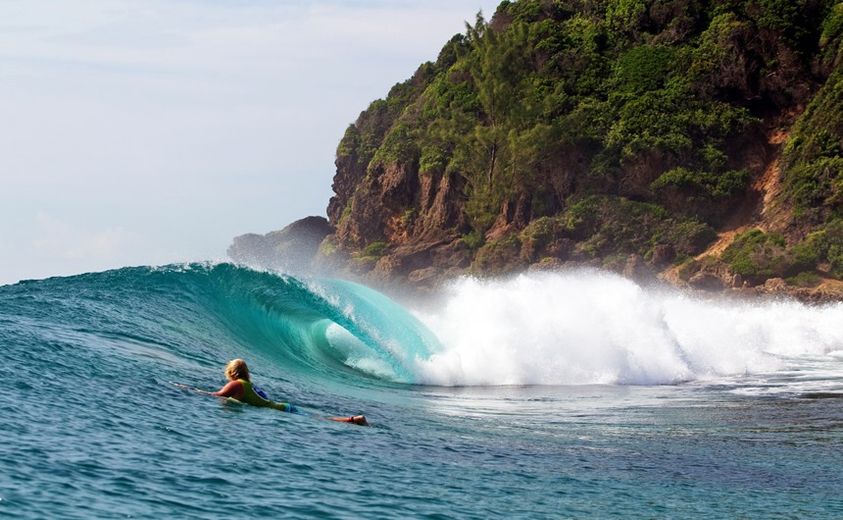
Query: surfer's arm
[(359, 420), (232, 389)]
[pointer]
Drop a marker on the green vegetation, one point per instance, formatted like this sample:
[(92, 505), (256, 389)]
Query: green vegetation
[(616, 225), (833, 25), (603, 128), (473, 240), (814, 155), (328, 247), (706, 184), (823, 248), (756, 256), (499, 256), (398, 147), (805, 279), (604, 226), (374, 250)]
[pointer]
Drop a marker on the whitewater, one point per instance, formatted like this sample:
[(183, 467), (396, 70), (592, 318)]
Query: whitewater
[(543, 395)]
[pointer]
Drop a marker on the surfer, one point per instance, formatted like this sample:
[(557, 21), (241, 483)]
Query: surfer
[(241, 388)]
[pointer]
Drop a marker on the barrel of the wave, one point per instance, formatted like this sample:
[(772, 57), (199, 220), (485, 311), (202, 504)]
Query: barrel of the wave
[(317, 327), (391, 335)]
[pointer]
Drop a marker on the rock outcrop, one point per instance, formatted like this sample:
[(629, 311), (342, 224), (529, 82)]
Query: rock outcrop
[(292, 249)]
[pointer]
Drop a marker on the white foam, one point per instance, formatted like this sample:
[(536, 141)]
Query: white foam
[(588, 327)]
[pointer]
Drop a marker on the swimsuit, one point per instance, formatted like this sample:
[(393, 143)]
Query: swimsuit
[(257, 397)]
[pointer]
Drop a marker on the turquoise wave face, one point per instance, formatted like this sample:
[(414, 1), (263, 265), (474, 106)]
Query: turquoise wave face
[(329, 329)]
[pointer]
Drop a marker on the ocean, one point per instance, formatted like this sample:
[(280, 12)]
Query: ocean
[(570, 395)]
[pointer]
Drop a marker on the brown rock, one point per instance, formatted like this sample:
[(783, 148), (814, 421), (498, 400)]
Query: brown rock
[(706, 281), (775, 285), (547, 263), (445, 212), (291, 249), (636, 269), (420, 276), (561, 248), (387, 267), (361, 265), (453, 254), (663, 254)]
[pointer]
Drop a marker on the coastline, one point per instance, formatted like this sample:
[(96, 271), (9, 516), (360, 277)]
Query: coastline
[(306, 246)]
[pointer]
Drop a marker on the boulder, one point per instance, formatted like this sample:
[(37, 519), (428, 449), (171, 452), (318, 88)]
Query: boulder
[(706, 281)]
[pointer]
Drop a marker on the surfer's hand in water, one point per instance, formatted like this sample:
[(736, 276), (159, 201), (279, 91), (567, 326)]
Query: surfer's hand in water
[(359, 420)]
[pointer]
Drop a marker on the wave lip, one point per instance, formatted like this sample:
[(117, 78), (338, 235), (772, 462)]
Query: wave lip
[(590, 327)]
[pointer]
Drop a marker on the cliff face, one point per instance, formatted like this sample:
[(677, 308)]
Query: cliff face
[(700, 141)]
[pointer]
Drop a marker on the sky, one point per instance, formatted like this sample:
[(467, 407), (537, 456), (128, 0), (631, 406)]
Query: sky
[(146, 132)]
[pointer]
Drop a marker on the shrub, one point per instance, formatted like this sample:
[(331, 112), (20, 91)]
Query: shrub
[(374, 250), (708, 184), (813, 157), (805, 279), (824, 245), (474, 240), (498, 256), (605, 225), (644, 68), (757, 256)]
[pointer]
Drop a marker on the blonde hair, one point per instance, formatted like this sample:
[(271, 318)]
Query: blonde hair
[(237, 369)]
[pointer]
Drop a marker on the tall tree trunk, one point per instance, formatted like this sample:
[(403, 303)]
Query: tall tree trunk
[(492, 162)]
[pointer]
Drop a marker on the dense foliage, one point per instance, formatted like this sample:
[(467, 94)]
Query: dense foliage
[(645, 119)]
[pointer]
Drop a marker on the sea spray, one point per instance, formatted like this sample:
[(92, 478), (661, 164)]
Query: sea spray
[(590, 327)]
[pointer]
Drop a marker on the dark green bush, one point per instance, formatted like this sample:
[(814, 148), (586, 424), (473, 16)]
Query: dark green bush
[(833, 24), (824, 245), (707, 184), (474, 240), (375, 249), (498, 256), (604, 225), (805, 279), (757, 256), (814, 154), (644, 68)]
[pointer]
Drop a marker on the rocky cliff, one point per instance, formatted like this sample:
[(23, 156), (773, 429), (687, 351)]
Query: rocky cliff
[(697, 141)]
